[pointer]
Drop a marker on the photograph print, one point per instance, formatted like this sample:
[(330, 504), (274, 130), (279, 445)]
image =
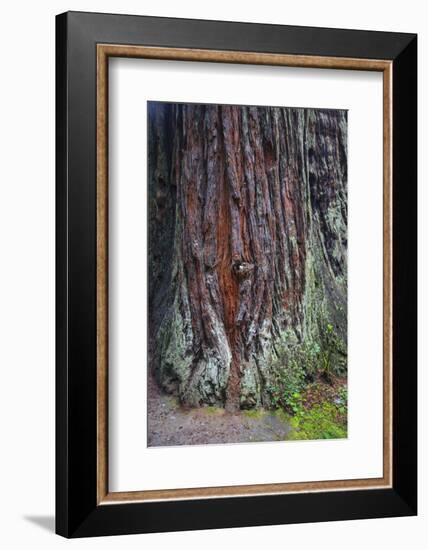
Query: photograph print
[(247, 265)]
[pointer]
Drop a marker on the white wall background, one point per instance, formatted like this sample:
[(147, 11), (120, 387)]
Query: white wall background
[(27, 273)]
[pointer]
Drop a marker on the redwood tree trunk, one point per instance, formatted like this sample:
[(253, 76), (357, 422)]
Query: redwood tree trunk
[(247, 247)]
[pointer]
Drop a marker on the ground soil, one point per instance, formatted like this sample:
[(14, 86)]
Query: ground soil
[(170, 424)]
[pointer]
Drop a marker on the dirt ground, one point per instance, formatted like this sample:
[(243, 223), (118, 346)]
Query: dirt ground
[(169, 424)]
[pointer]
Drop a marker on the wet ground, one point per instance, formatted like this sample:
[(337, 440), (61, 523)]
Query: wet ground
[(171, 424)]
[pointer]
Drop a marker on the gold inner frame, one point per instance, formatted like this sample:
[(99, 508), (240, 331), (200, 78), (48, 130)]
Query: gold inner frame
[(104, 51)]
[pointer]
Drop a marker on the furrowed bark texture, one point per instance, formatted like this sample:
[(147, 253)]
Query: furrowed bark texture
[(247, 246)]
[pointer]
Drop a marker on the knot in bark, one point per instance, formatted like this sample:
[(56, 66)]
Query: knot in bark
[(242, 270)]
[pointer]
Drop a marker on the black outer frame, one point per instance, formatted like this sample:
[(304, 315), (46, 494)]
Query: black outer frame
[(77, 513)]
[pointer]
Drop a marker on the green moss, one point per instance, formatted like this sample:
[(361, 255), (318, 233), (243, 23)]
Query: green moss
[(319, 422), (213, 410), (254, 413)]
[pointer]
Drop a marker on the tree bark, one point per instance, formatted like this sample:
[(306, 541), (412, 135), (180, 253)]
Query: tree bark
[(247, 245)]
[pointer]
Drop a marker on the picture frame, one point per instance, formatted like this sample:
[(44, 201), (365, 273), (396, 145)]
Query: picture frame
[(84, 44)]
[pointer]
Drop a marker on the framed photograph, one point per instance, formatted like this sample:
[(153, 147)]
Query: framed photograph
[(236, 274)]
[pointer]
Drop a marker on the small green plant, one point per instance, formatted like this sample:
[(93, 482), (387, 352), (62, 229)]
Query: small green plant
[(295, 402), (342, 400)]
